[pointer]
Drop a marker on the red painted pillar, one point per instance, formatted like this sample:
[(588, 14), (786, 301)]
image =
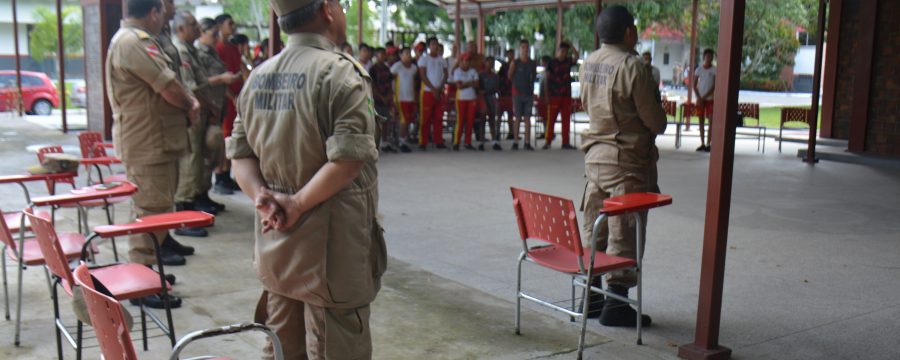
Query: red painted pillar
[(862, 75), (15, 19), (817, 82), (829, 81), (274, 35), (456, 24), (481, 30), (718, 199), (61, 53), (692, 63)]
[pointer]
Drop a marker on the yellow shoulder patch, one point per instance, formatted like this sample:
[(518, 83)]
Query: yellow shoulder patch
[(141, 34)]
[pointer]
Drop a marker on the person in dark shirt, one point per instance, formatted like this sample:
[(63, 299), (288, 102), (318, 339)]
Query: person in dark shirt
[(489, 87), (558, 87), (383, 92), (504, 101), (523, 72)]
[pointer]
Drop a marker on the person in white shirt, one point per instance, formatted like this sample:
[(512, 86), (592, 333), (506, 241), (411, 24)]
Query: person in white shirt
[(405, 93), (704, 88), (433, 72), (466, 80)]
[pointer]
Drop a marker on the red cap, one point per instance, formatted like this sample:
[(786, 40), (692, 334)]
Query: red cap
[(391, 51), (465, 57), (420, 46)]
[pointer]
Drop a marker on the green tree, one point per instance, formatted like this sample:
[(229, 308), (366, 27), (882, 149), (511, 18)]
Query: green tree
[(370, 18), (252, 13), (421, 16), (42, 40)]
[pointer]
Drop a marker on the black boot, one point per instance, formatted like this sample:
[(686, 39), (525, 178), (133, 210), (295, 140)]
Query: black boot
[(223, 185), (203, 199), (620, 314), (156, 301), (596, 300), (173, 245), (170, 258)]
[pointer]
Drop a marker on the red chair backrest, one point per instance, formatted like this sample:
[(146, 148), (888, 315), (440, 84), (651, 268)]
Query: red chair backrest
[(795, 114), (106, 318), (548, 218), (6, 237), (750, 110), (54, 256), (53, 149), (88, 141), (670, 107)]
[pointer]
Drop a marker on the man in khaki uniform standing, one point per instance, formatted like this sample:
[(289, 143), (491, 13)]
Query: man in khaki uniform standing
[(151, 110), (304, 148), (195, 174), (620, 97)]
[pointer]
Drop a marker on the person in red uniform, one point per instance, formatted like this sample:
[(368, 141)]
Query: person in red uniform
[(558, 85), (231, 57)]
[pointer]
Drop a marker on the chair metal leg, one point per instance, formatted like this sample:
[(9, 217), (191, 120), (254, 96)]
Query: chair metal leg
[(519, 294), (5, 286), (109, 220), (584, 312), (143, 322), (49, 279), (59, 350), (78, 340), (165, 291), (572, 318), (640, 255), (20, 268)]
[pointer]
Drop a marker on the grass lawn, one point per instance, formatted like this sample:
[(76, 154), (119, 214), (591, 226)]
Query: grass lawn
[(770, 117)]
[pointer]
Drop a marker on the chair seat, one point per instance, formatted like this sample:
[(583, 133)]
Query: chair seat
[(14, 218), (71, 246), (564, 260), (159, 222), (102, 160), (129, 281), (115, 178)]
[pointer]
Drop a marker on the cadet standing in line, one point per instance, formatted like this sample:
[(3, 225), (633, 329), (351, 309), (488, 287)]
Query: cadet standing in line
[(170, 246), (620, 97), (304, 148), (151, 112), (195, 176)]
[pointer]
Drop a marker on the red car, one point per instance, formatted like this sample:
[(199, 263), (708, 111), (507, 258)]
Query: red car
[(38, 92)]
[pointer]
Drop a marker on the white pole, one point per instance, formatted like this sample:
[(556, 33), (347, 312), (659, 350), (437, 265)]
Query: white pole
[(382, 33)]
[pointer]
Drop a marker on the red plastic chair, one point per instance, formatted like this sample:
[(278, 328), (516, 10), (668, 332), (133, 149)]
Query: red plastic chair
[(114, 339), (553, 221), (51, 184), (93, 154), (795, 115), (124, 281), (31, 253)]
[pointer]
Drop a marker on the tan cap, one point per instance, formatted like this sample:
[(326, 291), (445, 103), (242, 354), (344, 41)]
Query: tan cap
[(282, 7)]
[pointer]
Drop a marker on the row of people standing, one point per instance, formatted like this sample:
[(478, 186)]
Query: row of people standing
[(411, 88), (171, 81)]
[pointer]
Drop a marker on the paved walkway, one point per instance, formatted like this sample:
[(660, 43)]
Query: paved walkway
[(812, 268)]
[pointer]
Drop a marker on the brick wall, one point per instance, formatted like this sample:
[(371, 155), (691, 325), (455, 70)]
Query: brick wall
[(883, 125), (844, 80), (883, 128)]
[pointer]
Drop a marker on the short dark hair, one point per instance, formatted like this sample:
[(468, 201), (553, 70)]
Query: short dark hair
[(646, 53), (239, 39), (431, 39), (565, 45), (141, 8), (293, 20), (612, 23), (405, 48), (510, 52), (708, 51), (523, 41), (379, 50), (364, 46), (546, 58), (206, 24), (221, 19), (388, 44)]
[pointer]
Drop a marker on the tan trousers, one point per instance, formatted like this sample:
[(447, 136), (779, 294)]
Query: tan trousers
[(156, 195), (618, 234), (311, 332), (195, 173)]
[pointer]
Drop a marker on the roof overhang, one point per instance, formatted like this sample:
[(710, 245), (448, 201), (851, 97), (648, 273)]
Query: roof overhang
[(469, 8)]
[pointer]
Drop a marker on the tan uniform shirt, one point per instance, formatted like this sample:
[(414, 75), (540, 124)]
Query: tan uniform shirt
[(209, 60), (193, 73), (308, 106), (167, 46), (619, 95), (146, 128)]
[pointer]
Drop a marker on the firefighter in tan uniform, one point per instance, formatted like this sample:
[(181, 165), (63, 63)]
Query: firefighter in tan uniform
[(151, 113), (304, 148), (195, 177), (625, 112)]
